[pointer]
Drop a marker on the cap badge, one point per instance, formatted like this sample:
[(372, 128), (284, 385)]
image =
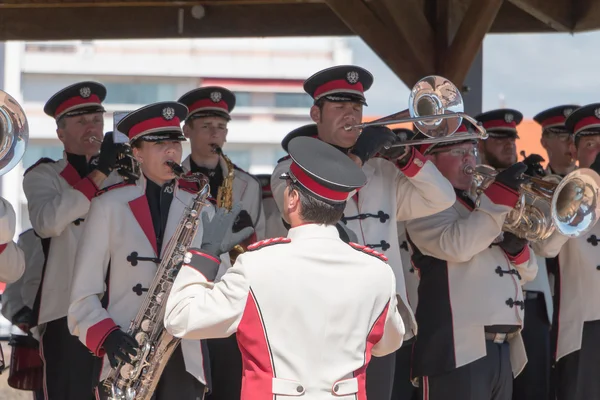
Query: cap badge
[(85, 92), (168, 113), (597, 113), (567, 112), (509, 118), (352, 77), (215, 97)]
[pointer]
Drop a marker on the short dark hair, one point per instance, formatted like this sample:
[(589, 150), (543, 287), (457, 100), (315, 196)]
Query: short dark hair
[(61, 123), (317, 211)]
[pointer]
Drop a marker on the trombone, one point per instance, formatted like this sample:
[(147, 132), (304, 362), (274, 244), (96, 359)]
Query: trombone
[(436, 108)]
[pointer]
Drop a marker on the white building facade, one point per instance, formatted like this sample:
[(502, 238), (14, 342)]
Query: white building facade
[(265, 74)]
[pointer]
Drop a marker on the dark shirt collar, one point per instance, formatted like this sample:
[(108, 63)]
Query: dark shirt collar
[(81, 164)]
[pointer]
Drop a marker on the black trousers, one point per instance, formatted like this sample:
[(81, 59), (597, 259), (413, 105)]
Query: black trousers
[(534, 381), (380, 377), (489, 378), (403, 388), (175, 382), (225, 368), (577, 375), (70, 369)]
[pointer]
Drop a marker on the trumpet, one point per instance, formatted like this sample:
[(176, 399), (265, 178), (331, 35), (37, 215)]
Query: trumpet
[(127, 166), (545, 205), (436, 108)]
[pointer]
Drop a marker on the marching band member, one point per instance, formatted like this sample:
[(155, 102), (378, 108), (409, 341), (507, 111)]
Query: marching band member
[(274, 224), (12, 261), (17, 306), (58, 199), (205, 127), (19, 296), (500, 152), (399, 188), (577, 353), (470, 309), (127, 230), (403, 388), (557, 140), (292, 319)]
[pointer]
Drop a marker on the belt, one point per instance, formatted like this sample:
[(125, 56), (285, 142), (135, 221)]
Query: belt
[(529, 295), (499, 337)]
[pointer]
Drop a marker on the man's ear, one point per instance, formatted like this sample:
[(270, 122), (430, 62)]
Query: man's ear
[(544, 142), (315, 113), (187, 130), (137, 154)]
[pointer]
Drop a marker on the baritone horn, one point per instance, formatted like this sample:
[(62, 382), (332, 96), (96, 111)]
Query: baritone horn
[(14, 132), (569, 206), (436, 108)]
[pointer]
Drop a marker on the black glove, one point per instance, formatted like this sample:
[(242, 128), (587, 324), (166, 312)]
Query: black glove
[(596, 164), (218, 236), (242, 221), (119, 346), (512, 244), (513, 177), (371, 141), (108, 154), (534, 166), (23, 319)]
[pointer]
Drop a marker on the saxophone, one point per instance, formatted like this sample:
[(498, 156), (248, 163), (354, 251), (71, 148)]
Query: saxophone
[(138, 380), (225, 198)]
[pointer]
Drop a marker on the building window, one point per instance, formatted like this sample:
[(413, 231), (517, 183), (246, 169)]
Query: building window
[(139, 93), (242, 99), (293, 100), (36, 151), (241, 158)]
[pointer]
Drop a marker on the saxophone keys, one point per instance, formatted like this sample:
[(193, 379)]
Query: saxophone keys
[(160, 297), (146, 325), (126, 371), (194, 213), (141, 338), (189, 225)]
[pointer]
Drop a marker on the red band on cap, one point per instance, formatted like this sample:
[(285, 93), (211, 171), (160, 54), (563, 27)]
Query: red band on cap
[(75, 101), (208, 103), (153, 123), (499, 123), (336, 85), (305, 180), (553, 121), (585, 122)]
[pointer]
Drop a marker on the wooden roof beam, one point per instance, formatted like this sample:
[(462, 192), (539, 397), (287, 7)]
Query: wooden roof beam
[(410, 21), (474, 26), (557, 14), (389, 44)]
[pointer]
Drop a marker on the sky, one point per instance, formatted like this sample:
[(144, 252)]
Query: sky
[(528, 72)]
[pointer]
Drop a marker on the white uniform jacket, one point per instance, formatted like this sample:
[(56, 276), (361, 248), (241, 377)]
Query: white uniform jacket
[(541, 284), (411, 275), (109, 287), (58, 200), (12, 262), (391, 194), (578, 284), (22, 292), (246, 190), (465, 285), (309, 311)]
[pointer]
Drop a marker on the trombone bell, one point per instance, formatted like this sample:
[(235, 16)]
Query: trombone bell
[(436, 108)]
